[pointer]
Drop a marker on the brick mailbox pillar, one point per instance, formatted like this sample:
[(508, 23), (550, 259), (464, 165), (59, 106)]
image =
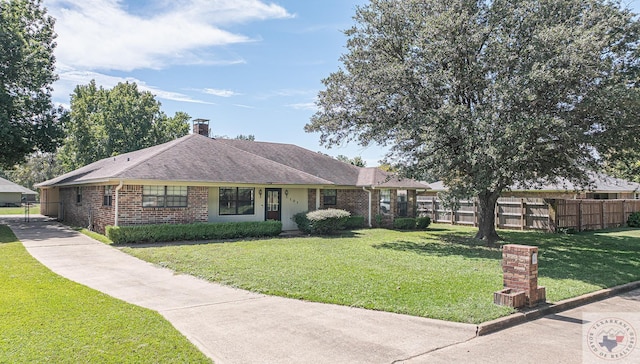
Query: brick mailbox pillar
[(520, 277)]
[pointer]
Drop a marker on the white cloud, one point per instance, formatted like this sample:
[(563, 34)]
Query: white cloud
[(70, 78), (102, 35), (304, 106), (220, 93)]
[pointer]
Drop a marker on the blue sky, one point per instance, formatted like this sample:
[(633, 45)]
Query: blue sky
[(250, 66)]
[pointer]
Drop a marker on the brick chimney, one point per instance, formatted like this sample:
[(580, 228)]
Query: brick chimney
[(201, 126)]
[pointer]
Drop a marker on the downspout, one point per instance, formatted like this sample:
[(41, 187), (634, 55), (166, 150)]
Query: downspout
[(115, 218), (370, 201)]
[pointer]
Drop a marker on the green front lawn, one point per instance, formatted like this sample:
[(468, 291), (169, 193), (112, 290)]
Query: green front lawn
[(47, 318), (33, 210), (442, 273)]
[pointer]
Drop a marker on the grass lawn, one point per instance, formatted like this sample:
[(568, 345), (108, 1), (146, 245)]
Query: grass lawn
[(441, 273), (47, 318), (34, 209)]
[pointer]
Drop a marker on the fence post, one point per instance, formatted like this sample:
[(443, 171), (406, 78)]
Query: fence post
[(475, 213), (552, 207), (435, 210), (579, 215), (523, 214)]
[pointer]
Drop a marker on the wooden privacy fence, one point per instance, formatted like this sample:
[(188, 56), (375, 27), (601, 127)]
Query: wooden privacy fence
[(536, 213)]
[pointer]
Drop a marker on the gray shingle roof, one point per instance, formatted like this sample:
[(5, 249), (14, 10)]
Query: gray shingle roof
[(599, 183), (7, 186), (195, 158)]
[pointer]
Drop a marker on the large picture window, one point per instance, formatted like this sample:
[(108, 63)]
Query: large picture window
[(329, 197), (237, 201), (164, 196)]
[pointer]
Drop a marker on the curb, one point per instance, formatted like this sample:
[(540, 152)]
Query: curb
[(521, 317)]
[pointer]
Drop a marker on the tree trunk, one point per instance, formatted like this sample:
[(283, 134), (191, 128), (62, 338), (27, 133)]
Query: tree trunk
[(487, 217)]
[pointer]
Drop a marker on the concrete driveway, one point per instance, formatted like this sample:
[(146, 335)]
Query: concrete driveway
[(235, 326)]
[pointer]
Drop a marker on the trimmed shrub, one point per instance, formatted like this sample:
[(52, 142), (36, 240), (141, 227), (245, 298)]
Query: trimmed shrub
[(354, 222), (634, 219), (195, 231), (303, 223), (327, 221), (422, 223), (404, 223)]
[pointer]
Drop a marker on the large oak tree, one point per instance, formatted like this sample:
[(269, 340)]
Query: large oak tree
[(483, 94), (28, 120)]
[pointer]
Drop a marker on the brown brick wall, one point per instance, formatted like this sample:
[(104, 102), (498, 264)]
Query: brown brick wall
[(130, 208), (357, 202), (89, 213)]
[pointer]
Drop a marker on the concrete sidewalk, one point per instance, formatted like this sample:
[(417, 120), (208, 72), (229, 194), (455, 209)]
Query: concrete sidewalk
[(236, 326)]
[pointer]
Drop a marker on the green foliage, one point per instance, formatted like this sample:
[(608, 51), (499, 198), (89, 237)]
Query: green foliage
[(354, 222), (623, 162), (105, 123), (55, 320), (303, 223), (189, 232), (436, 80), (328, 220), (37, 167), (28, 120), (404, 223), (634, 219), (356, 161), (422, 223)]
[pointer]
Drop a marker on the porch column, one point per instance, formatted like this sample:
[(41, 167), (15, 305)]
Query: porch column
[(317, 199)]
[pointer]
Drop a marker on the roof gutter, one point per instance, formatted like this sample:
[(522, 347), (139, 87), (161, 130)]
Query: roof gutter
[(370, 201), (115, 218)]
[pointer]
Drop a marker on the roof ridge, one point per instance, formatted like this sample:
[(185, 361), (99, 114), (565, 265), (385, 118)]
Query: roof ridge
[(162, 148), (271, 160)]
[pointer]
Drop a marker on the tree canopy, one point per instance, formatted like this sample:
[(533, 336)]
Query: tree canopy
[(485, 94), (28, 120), (108, 122), (356, 161)]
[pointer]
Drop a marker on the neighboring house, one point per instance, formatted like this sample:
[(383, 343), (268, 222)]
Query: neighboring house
[(11, 193), (602, 187), (198, 179)]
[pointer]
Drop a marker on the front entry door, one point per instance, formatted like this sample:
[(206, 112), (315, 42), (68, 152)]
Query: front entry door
[(273, 201)]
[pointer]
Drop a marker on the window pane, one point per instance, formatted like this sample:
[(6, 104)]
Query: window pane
[(228, 208), (153, 190), (150, 201), (176, 190), (245, 194), (176, 201), (385, 201), (245, 208)]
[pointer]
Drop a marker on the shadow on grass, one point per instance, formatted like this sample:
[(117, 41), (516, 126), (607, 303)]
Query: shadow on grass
[(452, 243), (605, 259)]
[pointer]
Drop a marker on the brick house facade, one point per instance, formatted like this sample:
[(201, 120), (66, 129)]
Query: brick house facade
[(245, 181), (90, 210)]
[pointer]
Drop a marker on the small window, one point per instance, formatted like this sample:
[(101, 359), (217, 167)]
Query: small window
[(164, 196), (237, 201), (329, 197), (78, 195), (107, 197), (385, 201)]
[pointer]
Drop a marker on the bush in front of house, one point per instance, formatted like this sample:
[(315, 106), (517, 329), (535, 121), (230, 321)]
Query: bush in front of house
[(422, 223), (303, 223), (354, 222), (634, 219), (195, 231), (404, 223), (327, 221)]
